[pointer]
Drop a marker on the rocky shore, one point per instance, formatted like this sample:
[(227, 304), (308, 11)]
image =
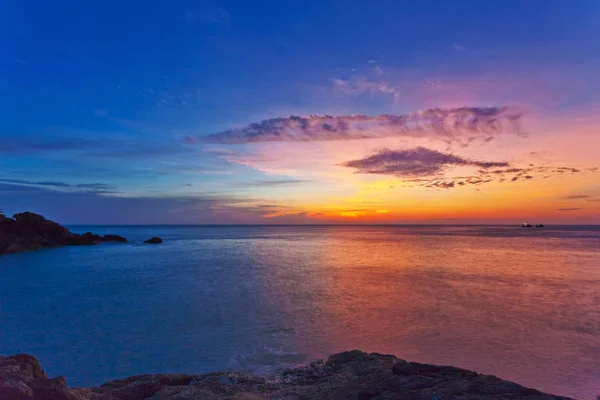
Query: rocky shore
[(351, 375), (28, 231)]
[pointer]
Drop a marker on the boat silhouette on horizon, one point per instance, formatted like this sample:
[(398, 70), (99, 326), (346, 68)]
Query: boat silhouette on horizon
[(526, 225)]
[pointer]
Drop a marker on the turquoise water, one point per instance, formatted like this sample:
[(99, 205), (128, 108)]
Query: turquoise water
[(523, 304)]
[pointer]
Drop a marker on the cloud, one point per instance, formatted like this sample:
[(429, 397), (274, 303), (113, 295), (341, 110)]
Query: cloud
[(569, 209), (430, 168), (25, 146), (562, 170), (486, 175), (95, 186), (15, 188), (266, 183), (99, 188), (190, 140), (73, 207), (251, 208), (594, 200), (96, 148), (449, 184), (209, 15), (18, 60), (442, 185), (358, 86), (458, 47), (447, 124), (418, 162), (575, 197), (37, 183)]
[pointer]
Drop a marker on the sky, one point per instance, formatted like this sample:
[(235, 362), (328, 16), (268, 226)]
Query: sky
[(317, 112)]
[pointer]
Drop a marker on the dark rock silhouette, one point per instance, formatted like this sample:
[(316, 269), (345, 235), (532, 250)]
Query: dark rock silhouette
[(22, 378), (349, 375), (539, 225), (30, 231), (525, 225), (114, 238), (153, 240)]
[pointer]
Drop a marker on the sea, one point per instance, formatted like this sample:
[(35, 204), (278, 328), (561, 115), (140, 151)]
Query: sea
[(519, 303)]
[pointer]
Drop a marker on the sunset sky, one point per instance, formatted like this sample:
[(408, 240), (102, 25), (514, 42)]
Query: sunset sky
[(239, 112)]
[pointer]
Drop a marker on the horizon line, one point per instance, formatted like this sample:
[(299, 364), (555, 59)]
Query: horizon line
[(369, 224)]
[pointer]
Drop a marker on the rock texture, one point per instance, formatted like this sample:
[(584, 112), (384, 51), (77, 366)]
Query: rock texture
[(29, 231), (22, 378), (153, 240), (351, 375)]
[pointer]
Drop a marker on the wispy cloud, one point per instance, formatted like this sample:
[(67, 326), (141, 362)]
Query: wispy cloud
[(446, 124), (267, 183), (37, 183), (26, 146), (357, 86), (569, 209), (200, 208), (416, 162), (18, 60), (510, 175), (99, 188), (252, 208), (96, 148), (209, 15), (431, 168), (458, 46), (576, 197)]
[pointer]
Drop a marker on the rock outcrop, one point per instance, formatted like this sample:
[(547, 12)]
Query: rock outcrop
[(29, 231), (153, 240), (22, 378), (350, 375)]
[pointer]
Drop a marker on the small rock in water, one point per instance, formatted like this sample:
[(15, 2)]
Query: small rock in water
[(154, 239), (114, 238)]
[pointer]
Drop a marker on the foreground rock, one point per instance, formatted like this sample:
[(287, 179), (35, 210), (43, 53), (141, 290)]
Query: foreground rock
[(29, 231), (153, 240), (351, 375), (22, 378)]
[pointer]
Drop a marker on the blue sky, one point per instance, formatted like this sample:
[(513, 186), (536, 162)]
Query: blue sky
[(110, 100)]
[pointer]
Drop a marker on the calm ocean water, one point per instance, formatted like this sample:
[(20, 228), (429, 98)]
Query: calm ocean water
[(523, 304)]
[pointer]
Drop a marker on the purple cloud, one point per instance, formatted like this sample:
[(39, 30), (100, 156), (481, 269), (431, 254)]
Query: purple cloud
[(418, 162), (575, 197), (562, 170), (569, 209), (447, 124), (427, 167)]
